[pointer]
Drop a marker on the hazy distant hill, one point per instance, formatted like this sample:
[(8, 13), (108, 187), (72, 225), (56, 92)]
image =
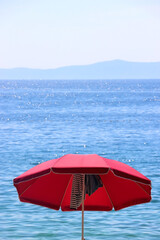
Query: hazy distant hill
[(116, 69)]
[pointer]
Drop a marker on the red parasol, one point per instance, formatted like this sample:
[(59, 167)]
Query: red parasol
[(50, 184)]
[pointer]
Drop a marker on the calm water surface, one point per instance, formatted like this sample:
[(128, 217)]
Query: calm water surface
[(42, 120)]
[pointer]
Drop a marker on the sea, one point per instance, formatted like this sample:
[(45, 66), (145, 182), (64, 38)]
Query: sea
[(44, 119)]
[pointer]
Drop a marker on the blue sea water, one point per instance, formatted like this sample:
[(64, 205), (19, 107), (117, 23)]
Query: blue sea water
[(42, 120)]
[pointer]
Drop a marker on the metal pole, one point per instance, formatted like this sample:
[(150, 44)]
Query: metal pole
[(83, 207)]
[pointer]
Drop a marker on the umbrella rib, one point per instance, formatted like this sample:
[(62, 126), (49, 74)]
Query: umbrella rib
[(109, 196), (65, 190), (36, 178), (28, 187), (143, 189), (58, 160), (136, 181), (130, 175)]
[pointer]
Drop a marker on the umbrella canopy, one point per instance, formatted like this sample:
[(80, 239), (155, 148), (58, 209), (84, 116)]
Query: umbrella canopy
[(49, 184)]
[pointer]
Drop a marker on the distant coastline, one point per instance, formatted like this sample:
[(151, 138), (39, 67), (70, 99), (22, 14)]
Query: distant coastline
[(116, 69)]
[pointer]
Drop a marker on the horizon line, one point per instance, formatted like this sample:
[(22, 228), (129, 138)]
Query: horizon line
[(79, 65)]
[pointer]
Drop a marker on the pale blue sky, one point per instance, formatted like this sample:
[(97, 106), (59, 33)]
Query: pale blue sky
[(54, 33)]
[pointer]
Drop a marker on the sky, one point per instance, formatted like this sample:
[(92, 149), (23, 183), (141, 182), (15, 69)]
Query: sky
[(55, 33)]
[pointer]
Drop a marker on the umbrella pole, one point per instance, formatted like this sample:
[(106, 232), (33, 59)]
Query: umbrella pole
[(83, 207)]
